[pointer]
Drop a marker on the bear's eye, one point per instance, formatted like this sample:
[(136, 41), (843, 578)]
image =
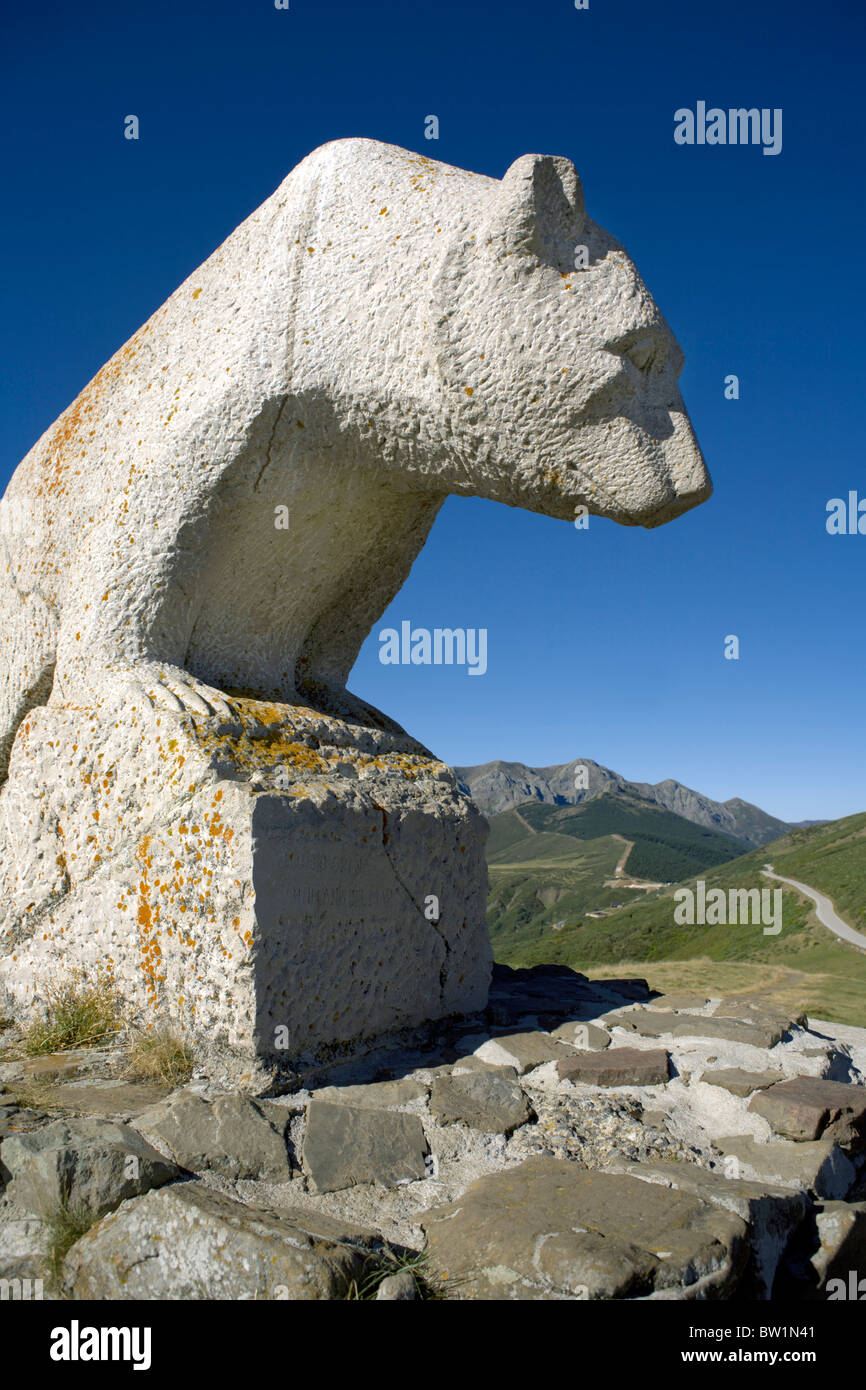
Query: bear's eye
[(642, 354)]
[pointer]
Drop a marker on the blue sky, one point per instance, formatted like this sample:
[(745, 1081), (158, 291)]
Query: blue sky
[(605, 644)]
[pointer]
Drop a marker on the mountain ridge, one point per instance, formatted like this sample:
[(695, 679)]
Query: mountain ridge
[(503, 786)]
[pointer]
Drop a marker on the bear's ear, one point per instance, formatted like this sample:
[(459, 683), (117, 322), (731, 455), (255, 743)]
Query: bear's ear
[(539, 209)]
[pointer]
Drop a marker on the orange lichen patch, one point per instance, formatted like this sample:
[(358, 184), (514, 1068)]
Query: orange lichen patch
[(148, 918), (294, 740), (88, 409)]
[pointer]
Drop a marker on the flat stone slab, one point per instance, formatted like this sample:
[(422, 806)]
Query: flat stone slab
[(553, 993), (809, 1107), (620, 1066), (819, 1167), (378, 1095), (586, 1036), (627, 989), (772, 1213), (51, 1066), (677, 1003), (549, 1229), (232, 1135), (89, 1163), (125, 1099), (652, 1024), (756, 1008), (187, 1243), (523, 1051), (481, 1100), (473, 1063), (739, 1082), (345, 1145)]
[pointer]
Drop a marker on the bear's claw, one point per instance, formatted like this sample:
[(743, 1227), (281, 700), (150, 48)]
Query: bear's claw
[(187, 696)]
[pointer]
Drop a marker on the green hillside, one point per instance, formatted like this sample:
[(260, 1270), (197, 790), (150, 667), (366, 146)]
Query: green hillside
[(505, 830), (666, 847), (550, 879), (830, 857), (550, 865)]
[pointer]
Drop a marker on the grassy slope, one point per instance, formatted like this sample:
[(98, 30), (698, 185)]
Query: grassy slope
[(831, 858), (666, 846), (558, 872), (547, 879), (810, 966)]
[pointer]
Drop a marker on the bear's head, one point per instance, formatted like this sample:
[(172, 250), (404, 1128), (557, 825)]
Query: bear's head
[(559, 372)]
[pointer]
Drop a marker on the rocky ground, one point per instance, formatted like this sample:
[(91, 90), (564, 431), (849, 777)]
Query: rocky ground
[(581, 1140)]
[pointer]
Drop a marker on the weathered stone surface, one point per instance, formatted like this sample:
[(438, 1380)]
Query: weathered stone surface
[(345, 1145), (626, 989), (398, 1288), (232, 1135), (112, 1099), (741, 1083), (841, 1231), (819, 1167), (481, 1100), (523, 1050), (20, 1121), (677, 1003), (376, 1095), (586, 1036), (810, 1108), (186, 1243), (653, 1024), (771, 1214), (53, 1066), (754, 1008), (547, 993), (25, 1241), (473, 1063), (191, 792), (552, 1230), (87, 1163), (621, 1066)]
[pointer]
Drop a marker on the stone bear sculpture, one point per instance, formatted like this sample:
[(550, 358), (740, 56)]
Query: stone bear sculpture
[(208, 533), (383, 331)]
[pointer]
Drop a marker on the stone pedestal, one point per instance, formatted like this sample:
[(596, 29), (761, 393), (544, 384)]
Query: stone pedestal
[(283, 886)]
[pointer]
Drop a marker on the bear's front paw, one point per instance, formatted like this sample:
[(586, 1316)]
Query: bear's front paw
[(181, 693)]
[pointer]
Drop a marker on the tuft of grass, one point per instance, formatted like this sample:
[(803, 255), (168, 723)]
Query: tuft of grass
[(66, 1224), (160, 1056), (428, 1286), (81, 1012)]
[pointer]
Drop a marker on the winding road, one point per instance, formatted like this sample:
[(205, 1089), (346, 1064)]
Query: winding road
[(824, 909)]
